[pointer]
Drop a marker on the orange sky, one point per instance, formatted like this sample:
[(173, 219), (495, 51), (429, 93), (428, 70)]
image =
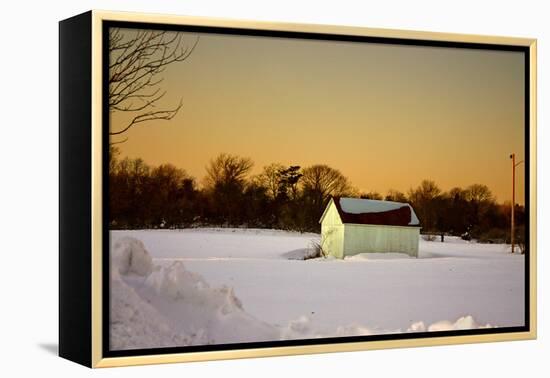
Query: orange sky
[(387, 116)]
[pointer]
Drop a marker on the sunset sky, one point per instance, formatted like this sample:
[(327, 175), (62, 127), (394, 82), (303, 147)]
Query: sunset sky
[(386, 116)]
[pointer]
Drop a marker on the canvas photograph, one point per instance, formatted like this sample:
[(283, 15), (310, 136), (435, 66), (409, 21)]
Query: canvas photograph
[(280, 188)]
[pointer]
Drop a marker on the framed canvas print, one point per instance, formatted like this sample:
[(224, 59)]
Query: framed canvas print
[(236, 189)]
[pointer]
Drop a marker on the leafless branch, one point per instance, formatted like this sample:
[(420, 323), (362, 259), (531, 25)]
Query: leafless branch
[(136, 60), (118, 142), (149, 116)]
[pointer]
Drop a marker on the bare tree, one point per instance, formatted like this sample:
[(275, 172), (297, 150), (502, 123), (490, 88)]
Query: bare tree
[(480, 199), (225, 184), (114, 153), (396, 196), (478, 193), (136, 60), (227, 169), (373, 195), (270, 179), (424, 200), (325, 181)]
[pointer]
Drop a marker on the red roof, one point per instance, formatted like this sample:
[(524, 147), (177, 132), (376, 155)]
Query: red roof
[(397, 214)]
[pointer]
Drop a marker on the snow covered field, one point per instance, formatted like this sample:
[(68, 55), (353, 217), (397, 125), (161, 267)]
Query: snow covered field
[(214, 286)]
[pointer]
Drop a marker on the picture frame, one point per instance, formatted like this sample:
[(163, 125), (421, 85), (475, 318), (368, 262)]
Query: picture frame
[(86, 250)]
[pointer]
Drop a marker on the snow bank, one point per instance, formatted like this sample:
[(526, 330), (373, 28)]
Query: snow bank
[(128, 255), (304, 328), (213, 315), (465, 322), (167, 305), (161, 306), (296, 254), (135, 323), (310, 252)]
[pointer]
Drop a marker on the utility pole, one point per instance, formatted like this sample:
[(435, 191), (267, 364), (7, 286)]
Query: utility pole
[(512, 220)]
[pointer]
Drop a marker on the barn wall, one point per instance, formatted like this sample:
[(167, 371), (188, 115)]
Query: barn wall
[(332, 233), (332, 218), (360, 238)]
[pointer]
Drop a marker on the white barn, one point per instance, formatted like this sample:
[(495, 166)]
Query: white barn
[(352, 225)]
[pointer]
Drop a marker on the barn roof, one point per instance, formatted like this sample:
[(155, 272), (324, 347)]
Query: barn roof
[(365, 211)]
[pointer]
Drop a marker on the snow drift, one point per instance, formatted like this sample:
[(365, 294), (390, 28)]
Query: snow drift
[(128, 255), (163, 305)]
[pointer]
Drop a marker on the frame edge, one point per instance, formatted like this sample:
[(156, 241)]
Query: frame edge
[(96, 189), (533, 186), (97, 360), (311, 28), (75, 203)]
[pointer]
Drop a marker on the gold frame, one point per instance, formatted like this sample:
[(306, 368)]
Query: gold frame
[(97, 359)]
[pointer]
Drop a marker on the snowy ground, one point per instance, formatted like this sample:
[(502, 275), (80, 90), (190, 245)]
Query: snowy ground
[(204, 286)]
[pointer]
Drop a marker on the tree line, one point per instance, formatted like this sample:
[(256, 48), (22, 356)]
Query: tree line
[(282, 197)]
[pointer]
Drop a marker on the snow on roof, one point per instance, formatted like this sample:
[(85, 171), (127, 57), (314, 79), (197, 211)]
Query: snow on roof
[(365, 211)]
